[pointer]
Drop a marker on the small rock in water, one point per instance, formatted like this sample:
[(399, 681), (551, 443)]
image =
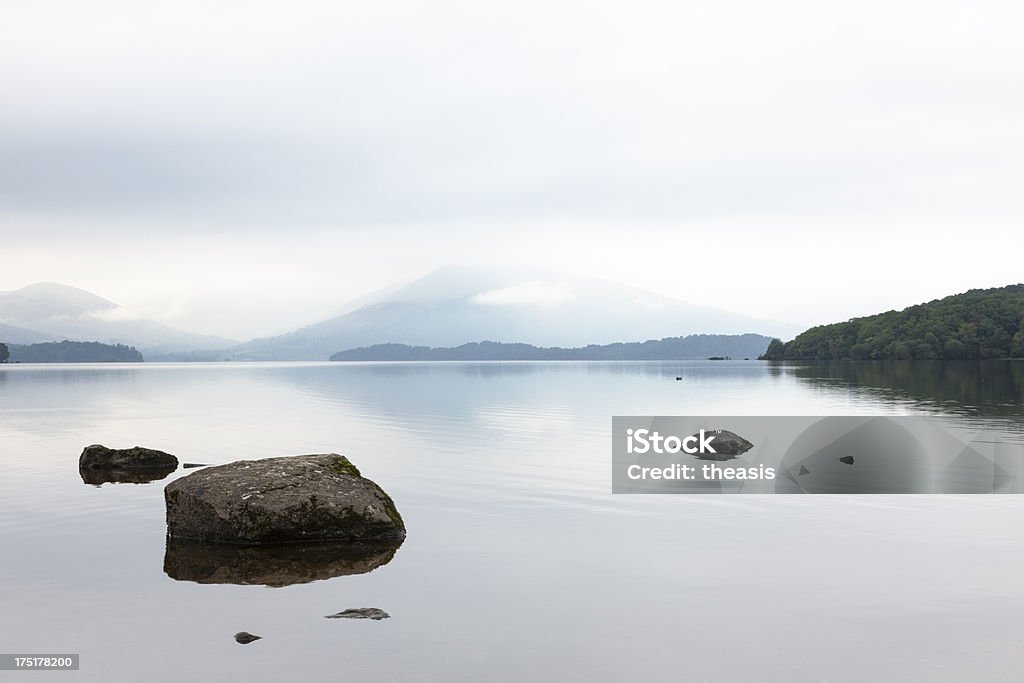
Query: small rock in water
[(99, 457), (804, 470), (848, 459), (244, 637), (727, 445), (361, 613)]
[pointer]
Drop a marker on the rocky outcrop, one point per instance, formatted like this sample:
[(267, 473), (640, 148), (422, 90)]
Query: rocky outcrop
[(97, 457), (299, 498)]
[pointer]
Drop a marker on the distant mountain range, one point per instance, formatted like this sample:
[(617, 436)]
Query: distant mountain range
[(672, 348), (18, 335), (454, 305), (53, 312), (446, 308)]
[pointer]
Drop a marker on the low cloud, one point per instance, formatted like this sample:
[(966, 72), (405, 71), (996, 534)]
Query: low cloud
[(527, 294)]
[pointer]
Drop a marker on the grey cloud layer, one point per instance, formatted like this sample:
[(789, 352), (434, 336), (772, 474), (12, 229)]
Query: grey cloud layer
[(263, 115)]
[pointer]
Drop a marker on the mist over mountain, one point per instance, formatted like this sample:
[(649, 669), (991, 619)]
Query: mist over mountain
[(54, 312), (10, 334), (453, 305)]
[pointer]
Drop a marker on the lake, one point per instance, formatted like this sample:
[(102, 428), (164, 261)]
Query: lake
[(519, 563)]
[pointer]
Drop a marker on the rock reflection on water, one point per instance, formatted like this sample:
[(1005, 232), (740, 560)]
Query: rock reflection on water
[(276, 565), (98, 477)]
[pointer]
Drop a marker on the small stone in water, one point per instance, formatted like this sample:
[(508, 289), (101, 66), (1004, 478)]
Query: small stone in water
[(361, 613)]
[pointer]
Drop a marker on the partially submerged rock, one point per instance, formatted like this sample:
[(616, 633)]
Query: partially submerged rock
[(97, 457), (244, 637), (271, 565), (361, 613), (728, 445), (292, 499)]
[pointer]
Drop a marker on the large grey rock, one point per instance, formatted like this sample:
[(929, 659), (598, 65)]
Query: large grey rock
[(281, 500), (97, 457)]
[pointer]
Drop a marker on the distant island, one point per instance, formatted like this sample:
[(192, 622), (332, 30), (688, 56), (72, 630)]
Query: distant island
[(71, 352), (695, 346), (978, 324)]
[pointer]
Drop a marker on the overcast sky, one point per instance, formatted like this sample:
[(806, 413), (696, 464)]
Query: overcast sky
[(244, 168)]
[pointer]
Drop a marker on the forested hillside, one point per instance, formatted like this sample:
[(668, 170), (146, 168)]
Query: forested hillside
[(74, 352), (979, 324)]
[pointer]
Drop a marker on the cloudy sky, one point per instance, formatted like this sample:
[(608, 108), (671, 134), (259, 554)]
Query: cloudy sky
[(243, 168)]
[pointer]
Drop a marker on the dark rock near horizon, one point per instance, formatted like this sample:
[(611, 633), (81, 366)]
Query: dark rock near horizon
[(271, 565), (361, 613), (97, 457), (848, 459), (244, 637), (301, 498)]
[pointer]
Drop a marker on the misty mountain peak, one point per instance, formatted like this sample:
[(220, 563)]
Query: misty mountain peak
[(451, 283), (44, 300), (459, 304), (49, 311)]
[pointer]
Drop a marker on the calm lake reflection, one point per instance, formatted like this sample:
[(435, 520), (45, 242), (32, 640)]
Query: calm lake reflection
[(519, 564), (972, 388), (277, 565)]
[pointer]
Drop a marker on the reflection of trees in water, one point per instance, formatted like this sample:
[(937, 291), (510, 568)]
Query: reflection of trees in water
[(96, 374), (994, 388)]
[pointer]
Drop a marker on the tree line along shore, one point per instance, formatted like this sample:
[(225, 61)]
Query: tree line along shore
[(69, 352), (978, 324)]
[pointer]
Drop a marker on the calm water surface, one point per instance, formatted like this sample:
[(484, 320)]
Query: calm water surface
[(519, 564)]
